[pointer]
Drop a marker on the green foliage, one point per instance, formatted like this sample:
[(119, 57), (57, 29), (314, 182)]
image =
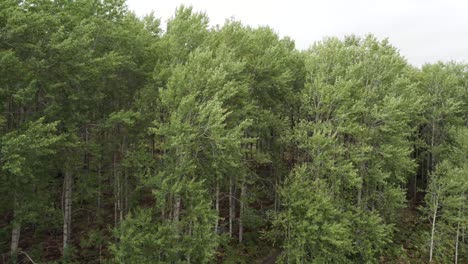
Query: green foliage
[(353, 136), (446, 203), (172, 136), (145, 237), (315, 229), (19, 149)]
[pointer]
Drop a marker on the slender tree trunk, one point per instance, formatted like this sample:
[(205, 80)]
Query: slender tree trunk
[(423, 170), (288, 239), (190, 234), (432, 159), (415, 188), (241, 212), (15, 235), (177, 209), (456, 243), (163, 211), (359, 197), (98, 215), (361, 187), (463, 235), (68, 181), (170, 206), (231, 206), (121, 192), (121, 202), (434, 218), (15, 230), (100, 252), (116, 189), (428, 167), (217, 205), (275, 190), (458, 227), (126, 193), (99, 192)]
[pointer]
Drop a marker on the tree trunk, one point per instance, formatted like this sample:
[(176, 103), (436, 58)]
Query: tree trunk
[(121, 192), (363, 170), (190, 235), (126, 193), (100, 252), (99, 193), (67, 210), (359, 196), (116, 189), (121, 202), (232, 209), (275, 189), (177, 209), (460, 217), (15, 231), (15, 236), (415, 186), (434, 217), (217, 206), (432, 159), (241, 212), (456, 243)]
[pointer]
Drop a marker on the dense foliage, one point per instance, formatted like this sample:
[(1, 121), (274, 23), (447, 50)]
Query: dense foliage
[(123, 142)]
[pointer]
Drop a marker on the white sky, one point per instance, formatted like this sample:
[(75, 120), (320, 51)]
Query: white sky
[(423, 30)]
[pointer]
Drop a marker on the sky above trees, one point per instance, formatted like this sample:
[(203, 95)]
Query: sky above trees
[(424, 31)]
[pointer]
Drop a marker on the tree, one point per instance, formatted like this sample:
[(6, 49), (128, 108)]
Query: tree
[(315, 230), (197, 143), (22, 158), (353, 134), (443, 90), (446, 200)]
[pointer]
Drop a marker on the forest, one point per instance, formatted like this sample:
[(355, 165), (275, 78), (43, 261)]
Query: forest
[(126, 140)]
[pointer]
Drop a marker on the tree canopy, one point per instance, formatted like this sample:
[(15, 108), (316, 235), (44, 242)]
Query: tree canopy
[(123, 141)]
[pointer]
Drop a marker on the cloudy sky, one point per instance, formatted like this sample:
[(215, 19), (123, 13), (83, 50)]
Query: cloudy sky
[(423, 30)]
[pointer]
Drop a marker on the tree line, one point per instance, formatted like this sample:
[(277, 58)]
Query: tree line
[(123, 142)]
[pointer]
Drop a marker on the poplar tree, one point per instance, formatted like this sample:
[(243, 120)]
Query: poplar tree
[(446, 204)]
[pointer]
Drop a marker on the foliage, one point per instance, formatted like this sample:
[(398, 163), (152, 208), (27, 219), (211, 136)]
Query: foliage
[(123, 141)]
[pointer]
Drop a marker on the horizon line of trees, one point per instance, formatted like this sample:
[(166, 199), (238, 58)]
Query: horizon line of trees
[(122, 142)]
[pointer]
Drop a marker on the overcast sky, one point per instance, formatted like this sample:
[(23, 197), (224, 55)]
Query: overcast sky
[(423, 30)]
